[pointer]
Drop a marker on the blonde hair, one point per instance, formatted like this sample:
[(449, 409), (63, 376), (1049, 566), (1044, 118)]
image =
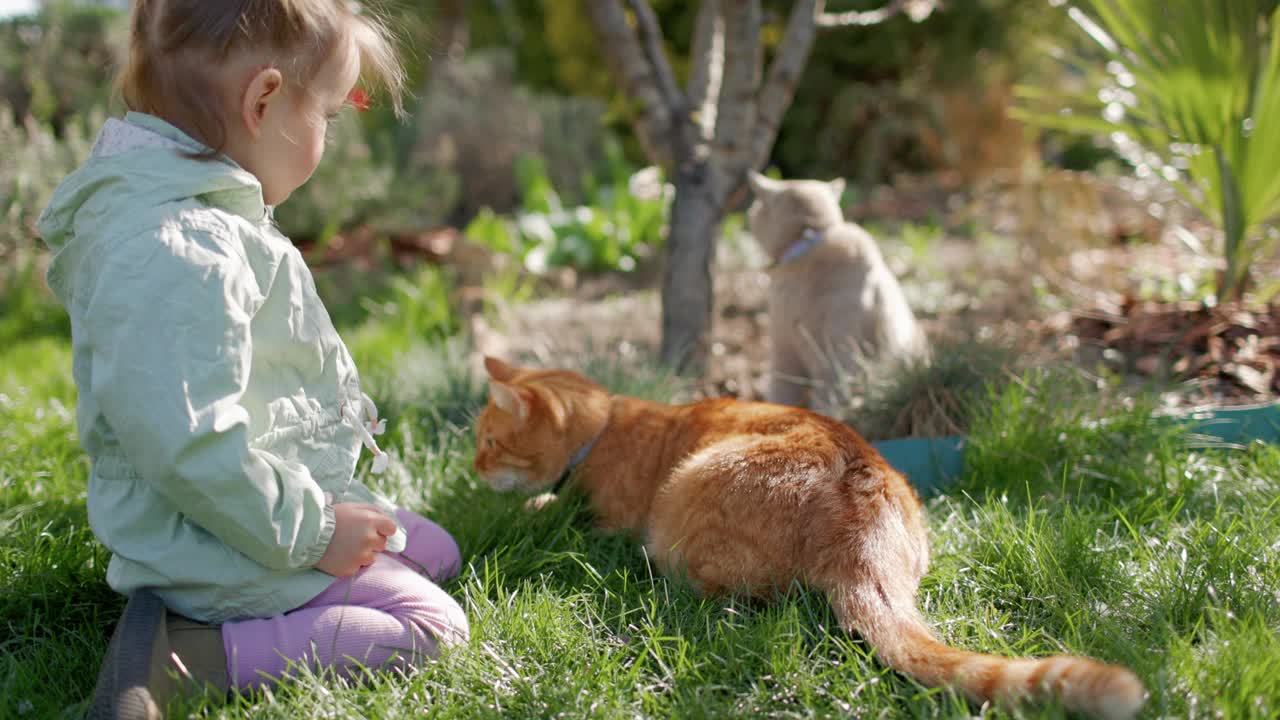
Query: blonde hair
[(177, 47)]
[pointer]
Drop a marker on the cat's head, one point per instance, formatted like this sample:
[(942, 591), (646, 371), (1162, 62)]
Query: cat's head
[(782, 209), (533, 425)]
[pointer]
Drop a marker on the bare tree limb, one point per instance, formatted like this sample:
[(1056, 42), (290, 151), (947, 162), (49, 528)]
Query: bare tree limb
[(453, 29), (736, 109), (784, 73), (706, 72), (917, 9), (638, 77), (452, 36), (651, 42)]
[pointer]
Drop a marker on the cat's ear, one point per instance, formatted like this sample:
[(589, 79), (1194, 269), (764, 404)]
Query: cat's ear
[(510, 399), (837, 188), (762, 185), (497, 369)]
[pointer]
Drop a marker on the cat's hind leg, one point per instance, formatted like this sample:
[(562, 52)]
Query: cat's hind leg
[(729, 516), (788, 379)]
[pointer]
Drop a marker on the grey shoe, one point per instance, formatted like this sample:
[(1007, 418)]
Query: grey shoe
[(155, 655)]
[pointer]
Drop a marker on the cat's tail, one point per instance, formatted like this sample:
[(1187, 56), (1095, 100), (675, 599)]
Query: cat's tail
[(903, 642)]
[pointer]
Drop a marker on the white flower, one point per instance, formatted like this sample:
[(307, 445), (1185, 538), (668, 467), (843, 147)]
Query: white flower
[(646, 184)]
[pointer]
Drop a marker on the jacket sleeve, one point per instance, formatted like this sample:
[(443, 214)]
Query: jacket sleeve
[(169, 327)]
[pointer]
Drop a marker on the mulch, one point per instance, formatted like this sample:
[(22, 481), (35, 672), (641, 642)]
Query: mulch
[(1230, 352), (1223, 355)]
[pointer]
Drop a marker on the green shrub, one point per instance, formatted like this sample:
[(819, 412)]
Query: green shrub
[(475, 121), (35, 162), (404, 312), (615, 229), (58, 64), (27, 308)]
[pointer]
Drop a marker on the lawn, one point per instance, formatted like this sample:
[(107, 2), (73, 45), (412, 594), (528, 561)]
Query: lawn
[(1081, 526)]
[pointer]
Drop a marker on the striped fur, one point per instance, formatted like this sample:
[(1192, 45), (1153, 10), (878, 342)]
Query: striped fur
[(752, 497)]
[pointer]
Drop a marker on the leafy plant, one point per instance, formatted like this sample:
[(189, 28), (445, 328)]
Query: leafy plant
[(476, 121), (1189, 90), (58, 63), (35, 161), (27, 309), (614, 230), (407, 311)]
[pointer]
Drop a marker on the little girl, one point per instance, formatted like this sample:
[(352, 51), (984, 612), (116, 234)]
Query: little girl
[(221, 411)]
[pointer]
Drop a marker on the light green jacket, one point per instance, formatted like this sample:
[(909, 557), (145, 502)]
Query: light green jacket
[(217, 404)]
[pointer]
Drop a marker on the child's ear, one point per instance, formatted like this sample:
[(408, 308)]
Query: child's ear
[(510, 399), (497, 369), (264, 88)]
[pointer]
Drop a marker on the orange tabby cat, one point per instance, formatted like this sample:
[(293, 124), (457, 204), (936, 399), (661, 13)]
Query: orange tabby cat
[(749, 497)]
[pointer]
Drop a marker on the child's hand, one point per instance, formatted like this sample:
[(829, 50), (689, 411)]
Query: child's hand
[(360, 532)]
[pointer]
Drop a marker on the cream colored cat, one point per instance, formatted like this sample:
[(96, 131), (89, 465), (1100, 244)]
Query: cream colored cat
[(832, 299)]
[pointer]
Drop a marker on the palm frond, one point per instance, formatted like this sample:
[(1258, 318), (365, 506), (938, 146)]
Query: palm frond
[(1192, 86)]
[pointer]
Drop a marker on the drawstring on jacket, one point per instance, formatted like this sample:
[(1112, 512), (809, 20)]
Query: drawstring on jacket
[(367, 427)]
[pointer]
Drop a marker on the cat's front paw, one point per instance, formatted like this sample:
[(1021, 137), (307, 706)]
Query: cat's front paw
[(537, 502)]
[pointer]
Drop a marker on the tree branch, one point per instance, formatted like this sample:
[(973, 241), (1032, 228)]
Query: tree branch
[(453, 35), (736, 108), (640, 80), (706, 61), (917, 10), (651, 42), (784, 73)]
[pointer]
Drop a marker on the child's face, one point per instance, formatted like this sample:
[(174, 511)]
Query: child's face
[(282, 131)]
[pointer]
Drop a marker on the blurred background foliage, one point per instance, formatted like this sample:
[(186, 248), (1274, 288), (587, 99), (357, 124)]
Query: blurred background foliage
[(496, 81), (512, 98), (994, 133), (60, 63)]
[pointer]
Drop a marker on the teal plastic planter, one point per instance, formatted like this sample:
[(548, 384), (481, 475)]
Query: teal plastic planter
[(933, 464)]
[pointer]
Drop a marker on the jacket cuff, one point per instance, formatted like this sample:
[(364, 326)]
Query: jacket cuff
[(327, 526)]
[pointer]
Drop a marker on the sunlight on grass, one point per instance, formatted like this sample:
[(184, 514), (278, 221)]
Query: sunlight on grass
[(1080, 527)]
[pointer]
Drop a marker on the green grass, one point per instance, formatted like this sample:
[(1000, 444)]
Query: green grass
[(1080, 527)]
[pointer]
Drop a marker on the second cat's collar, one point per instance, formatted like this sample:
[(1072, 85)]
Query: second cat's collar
[(809, 239)]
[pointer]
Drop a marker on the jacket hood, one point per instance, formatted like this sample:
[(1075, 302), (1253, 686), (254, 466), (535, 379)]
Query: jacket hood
[(139, 163)]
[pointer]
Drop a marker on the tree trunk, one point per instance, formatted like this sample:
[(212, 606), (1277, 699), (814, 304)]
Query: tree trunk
[(713, 132), (687, 291), (452, 36)]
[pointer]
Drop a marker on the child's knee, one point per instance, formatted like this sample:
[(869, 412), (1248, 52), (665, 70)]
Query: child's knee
[(458, 628), (450, 562), (441, 619), (437, 554), (431, 549)]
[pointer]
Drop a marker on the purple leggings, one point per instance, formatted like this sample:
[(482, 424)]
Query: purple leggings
[(389, 611)]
